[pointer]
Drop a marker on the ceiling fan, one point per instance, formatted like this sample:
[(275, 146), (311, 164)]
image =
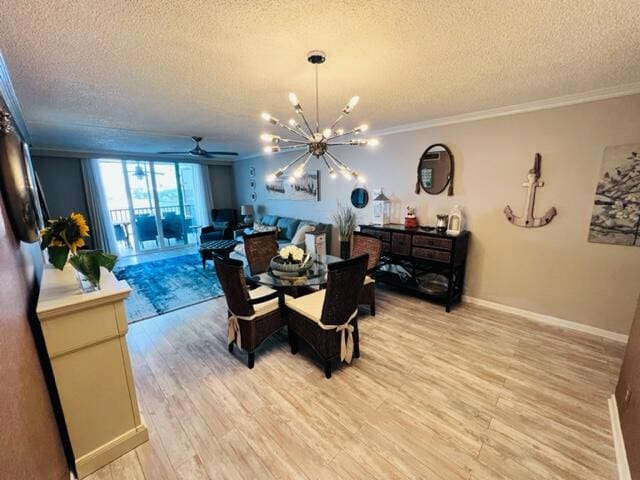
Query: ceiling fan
[(198, 151)]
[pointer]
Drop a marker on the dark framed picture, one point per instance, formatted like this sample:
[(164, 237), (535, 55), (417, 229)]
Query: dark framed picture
[(18, 183)]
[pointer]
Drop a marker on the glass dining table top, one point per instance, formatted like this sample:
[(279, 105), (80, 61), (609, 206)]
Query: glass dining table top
[(315, 276)]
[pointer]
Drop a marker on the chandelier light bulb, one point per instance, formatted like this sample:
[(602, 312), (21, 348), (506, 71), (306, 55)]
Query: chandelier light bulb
[(293, 123), (340, 131), (326, 133), (361, 179), (332, 173), (268, 118), (373, 142), (267, 137), (298, 172), (362, 128), (269, 149), (346, 174), (292, 179), (271, 177), (293, 98), (351, 105)]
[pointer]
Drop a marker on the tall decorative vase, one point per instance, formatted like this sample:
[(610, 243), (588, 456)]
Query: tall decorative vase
[(345, 249)]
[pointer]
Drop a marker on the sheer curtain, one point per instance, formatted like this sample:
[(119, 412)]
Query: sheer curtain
[(99, 219), (204, 195)]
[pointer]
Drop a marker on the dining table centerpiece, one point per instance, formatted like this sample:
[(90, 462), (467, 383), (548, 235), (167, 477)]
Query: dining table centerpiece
[(291, 261), (63, 237)]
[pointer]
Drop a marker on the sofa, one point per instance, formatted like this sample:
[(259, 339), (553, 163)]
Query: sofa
[(224, 222), (286, 228)]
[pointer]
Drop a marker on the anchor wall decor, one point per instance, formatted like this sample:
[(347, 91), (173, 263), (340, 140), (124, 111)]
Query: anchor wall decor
[(532, 184)]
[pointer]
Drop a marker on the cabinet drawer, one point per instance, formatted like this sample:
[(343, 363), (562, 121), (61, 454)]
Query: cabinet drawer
[(424, 241), (381, 234), (428, 254), (401, 244)]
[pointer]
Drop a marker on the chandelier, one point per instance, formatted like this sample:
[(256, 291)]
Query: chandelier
[(313, 142)]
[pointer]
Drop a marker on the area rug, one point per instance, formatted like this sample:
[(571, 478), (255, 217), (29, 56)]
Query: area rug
[(162, 286)]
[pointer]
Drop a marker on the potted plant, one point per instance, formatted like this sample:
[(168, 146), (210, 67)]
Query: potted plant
[(62, 239), (291, 261), (346, 221)]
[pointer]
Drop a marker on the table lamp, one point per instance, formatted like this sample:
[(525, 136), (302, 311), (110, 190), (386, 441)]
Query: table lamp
[(247, 212)]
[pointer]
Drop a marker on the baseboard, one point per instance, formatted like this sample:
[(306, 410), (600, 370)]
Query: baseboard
[(548, 319), (618, 441), (108, 452)]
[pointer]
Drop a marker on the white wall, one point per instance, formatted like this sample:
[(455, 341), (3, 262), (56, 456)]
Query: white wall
[(551, 270)]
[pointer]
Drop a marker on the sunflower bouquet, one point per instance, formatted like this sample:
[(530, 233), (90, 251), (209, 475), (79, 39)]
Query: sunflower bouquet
[(63, 238)]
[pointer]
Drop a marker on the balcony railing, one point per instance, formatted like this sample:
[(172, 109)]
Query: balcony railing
[(123, 215)]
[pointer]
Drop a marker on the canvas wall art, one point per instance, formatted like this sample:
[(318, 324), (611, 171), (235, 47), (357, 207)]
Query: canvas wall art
[(616, 209), (304, 188)]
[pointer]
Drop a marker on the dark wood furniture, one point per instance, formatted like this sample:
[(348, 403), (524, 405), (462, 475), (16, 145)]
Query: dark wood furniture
[(372, 246), (327, 320), (259, 249), (253, 315), (419, 251), (217, 247)]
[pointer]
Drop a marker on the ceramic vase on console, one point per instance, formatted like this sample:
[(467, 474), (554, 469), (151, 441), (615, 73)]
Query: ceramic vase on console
[(410, 220)]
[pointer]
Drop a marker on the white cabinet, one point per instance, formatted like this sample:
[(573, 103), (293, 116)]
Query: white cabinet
[(85, 339)]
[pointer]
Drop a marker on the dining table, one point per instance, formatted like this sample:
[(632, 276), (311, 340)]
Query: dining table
[(316, 276)]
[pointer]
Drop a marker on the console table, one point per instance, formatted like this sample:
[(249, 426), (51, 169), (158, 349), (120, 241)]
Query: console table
[(419, 251), (85, 338)]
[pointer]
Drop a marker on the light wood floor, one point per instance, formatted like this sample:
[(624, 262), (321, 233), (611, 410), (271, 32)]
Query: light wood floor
[(473, 394)]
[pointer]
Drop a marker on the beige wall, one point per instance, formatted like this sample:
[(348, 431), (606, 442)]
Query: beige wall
[(551, 270)]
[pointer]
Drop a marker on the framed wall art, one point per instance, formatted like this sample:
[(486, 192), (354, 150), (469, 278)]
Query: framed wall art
[(616, 207), (304, 188)]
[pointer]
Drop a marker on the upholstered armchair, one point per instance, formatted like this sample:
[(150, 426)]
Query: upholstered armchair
[(173, 227), (146, 229), (253, 315), (365, 243), (327, 319), (224, 222)]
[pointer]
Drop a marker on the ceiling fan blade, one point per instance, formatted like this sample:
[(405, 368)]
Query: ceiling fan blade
[(172, 153), (217, 154)]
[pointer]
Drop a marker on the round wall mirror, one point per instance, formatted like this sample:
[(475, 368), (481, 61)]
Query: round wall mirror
[(435, 169), (359, 197)]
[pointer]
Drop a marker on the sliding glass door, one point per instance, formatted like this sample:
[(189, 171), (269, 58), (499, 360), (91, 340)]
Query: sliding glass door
[(153, 205)]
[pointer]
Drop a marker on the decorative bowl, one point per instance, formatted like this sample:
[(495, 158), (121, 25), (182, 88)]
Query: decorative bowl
[(282, 268)]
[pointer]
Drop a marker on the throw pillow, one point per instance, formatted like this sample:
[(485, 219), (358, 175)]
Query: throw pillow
[(258, 227), (239, 249), (303, 229)]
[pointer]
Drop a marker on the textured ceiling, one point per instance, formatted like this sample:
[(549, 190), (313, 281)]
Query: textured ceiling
[(143, 76)]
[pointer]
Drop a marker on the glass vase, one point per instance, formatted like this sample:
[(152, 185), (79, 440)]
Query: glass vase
[(86, 286)]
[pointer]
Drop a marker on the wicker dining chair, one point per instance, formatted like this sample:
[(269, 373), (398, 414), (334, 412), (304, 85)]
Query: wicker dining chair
[(259, 249), (365, 243), (253, 315), (327, 319)]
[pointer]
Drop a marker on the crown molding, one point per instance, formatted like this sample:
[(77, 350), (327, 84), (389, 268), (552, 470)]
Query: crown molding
[(549, 103), (10, 100), (61, 153)]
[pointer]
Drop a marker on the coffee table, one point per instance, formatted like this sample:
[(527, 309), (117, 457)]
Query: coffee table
[(220, 247)]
